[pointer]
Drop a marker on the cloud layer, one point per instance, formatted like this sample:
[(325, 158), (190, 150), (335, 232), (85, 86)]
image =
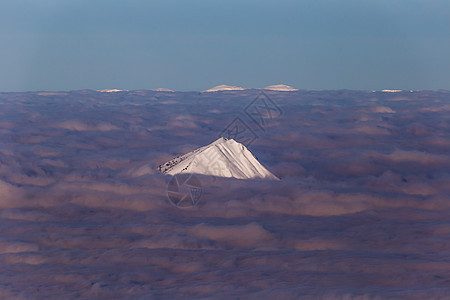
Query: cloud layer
[(361, 212)]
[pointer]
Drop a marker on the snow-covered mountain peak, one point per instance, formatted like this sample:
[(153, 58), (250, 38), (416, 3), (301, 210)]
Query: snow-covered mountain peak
[(280, 87), (222, 158), (392, 91), (111, 91), (224, 87)]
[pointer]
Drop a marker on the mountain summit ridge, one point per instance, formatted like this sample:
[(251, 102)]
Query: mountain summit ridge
[(224, 87), (281, 88), (221, 158)]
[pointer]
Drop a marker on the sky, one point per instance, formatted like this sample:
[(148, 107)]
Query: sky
[(194, 45)]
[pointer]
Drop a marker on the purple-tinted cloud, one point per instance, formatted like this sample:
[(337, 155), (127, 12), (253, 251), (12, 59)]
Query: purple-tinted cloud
[(361, 210)]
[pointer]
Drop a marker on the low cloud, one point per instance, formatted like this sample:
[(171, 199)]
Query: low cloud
[(361, 210)]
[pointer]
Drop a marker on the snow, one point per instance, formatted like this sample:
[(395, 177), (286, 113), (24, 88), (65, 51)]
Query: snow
[(224, 87), (391, 91), (222, 158), (111, 91), (280, 87)]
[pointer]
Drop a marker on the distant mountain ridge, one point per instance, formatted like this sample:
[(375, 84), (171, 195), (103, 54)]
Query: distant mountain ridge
[(111, 91), (275, 87), (218, 88), (281, 88), (162, 90), (224, 87)]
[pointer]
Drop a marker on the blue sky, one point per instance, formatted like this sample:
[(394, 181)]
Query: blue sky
[(193, 45)]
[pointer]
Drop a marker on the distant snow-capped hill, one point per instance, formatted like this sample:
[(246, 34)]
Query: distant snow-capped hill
[(111, 91), (281, 87), (224, 87), (222, 158), (392, 91)]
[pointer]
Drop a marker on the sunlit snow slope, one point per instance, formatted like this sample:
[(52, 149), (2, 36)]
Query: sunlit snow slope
[(225, 87), (281, 88), (222, 158)]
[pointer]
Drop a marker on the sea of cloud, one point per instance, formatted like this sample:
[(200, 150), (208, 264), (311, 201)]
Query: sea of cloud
[(362, 210)]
